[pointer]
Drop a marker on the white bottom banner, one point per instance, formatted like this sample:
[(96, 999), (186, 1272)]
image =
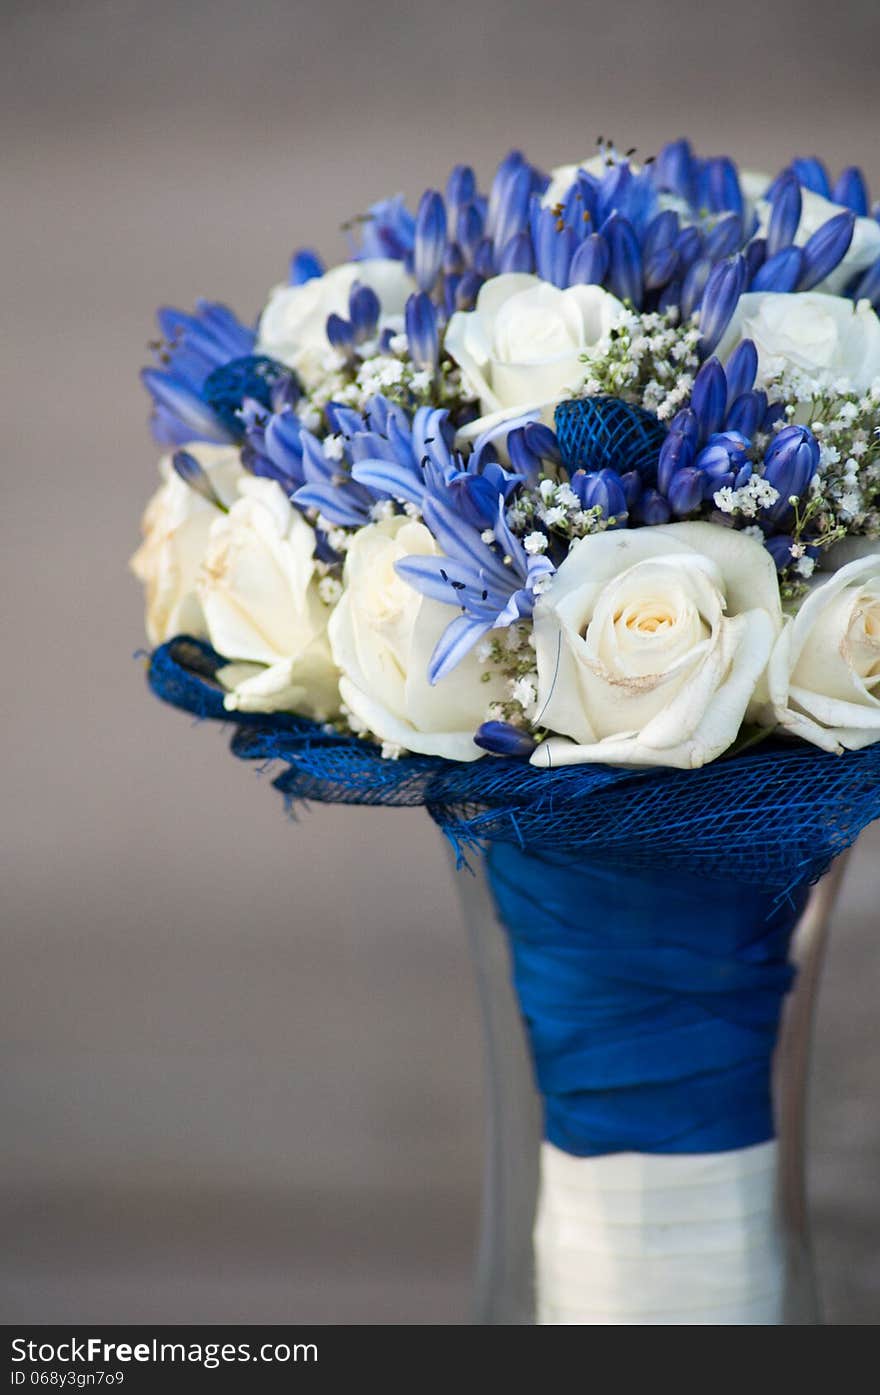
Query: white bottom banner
[(635, 1238)]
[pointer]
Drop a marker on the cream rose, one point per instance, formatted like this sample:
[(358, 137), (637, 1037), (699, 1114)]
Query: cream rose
[(176, 527), (824, 673), (259, 595), (825, 336), (863, 251), (521, 345), (651, 644), (383, 633), (293, 326)]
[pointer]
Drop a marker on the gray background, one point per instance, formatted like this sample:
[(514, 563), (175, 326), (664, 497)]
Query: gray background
[(241, 1072)]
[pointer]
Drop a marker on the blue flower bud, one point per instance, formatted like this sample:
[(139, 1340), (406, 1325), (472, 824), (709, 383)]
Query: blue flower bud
[(661, 267), (421, 330), (542, 440), (554, 246), (484, 259), (451, 284), (340, 333), (746, 413), (467, 290), (469, 229), (685, 493), (826, 248), (517, 255), (430, 239), (689, 245), (719, 185), (461, 188), (812, 174), (601, 489), (589, 265), (503, 739), (192, 473), (742, 366), (709, 398), (785, 212), (505, 172), (305, 265), (867, 287), (363, 311), (674, 170), (453, 260), (852, 191), (687, 423), (779, 547), (693, 286), (781, 273), (774, 414), (625, 259), (755, 254), (579, 208), (652, 509), (724, 287), (726, 237), (743, 475), (670, 296), (725, 451), (791, 461), (676, 454), (513, 208), (631, 484), (662, 231)]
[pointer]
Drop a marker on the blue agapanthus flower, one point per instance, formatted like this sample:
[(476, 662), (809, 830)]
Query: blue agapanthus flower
[(677, 232), (207, 370)]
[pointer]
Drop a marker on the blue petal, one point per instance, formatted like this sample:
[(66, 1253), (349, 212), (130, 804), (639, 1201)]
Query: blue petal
[(455, 642), (826, 249)]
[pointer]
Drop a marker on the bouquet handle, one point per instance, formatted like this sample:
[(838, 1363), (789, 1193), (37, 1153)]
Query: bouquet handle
[(527, 1183)]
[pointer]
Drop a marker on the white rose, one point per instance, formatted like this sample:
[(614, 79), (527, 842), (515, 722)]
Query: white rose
[(383, 633), (825, 336), (651, 643), (863, 251), (260, 598), (521, 345), (176, 526), (824, 673), (293, 326)]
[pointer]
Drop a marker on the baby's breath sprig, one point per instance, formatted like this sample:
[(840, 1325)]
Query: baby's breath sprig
[(647, 359), (510, 654)]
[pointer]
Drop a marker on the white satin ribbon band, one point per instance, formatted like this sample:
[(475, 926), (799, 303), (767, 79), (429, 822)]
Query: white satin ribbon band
[(643, 1239)]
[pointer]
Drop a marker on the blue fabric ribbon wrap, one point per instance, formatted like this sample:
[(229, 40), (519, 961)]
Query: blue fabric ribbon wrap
[(649, 911), (651, 1001)]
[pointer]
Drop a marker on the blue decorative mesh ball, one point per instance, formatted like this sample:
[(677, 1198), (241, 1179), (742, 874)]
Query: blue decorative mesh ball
[(254, 376), (599, 433)]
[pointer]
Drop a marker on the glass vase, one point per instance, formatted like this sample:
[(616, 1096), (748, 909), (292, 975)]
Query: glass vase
[(628, 1238)]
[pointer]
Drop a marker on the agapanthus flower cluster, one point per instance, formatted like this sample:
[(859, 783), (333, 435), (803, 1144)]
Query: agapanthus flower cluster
[(546, 471)]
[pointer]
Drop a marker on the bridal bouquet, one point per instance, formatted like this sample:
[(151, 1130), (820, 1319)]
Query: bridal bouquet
[(541, 488)]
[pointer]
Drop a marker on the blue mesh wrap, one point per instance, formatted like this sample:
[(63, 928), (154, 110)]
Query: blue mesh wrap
[(598, 433), (773, 817), (254, 376)]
